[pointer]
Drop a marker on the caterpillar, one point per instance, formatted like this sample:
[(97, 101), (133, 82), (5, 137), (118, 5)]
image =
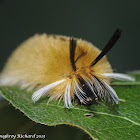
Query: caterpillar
[(63, 68)]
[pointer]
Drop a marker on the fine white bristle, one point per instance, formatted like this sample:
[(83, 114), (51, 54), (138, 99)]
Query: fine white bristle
[(42, 91), (109, 90), (90, 85), (8, 80), (105, 91), (119, 76), (11, 81), (67, 96), (79, 92), (98, 87)]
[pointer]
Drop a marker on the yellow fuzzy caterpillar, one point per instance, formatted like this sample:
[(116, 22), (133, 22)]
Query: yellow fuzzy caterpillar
[(63, 68)]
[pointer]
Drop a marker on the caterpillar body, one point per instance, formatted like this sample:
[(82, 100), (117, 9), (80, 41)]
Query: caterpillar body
[(63, 67)]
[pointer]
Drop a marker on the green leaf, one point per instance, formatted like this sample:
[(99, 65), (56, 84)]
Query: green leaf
[(107, 121)]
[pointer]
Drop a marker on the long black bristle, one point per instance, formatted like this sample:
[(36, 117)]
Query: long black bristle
[(108, 46), (73, 43)]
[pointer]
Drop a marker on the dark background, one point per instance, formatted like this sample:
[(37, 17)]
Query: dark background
[(92, 20)]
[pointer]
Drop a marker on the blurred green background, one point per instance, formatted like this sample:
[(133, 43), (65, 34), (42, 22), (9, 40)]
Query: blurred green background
[(92, 20)]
